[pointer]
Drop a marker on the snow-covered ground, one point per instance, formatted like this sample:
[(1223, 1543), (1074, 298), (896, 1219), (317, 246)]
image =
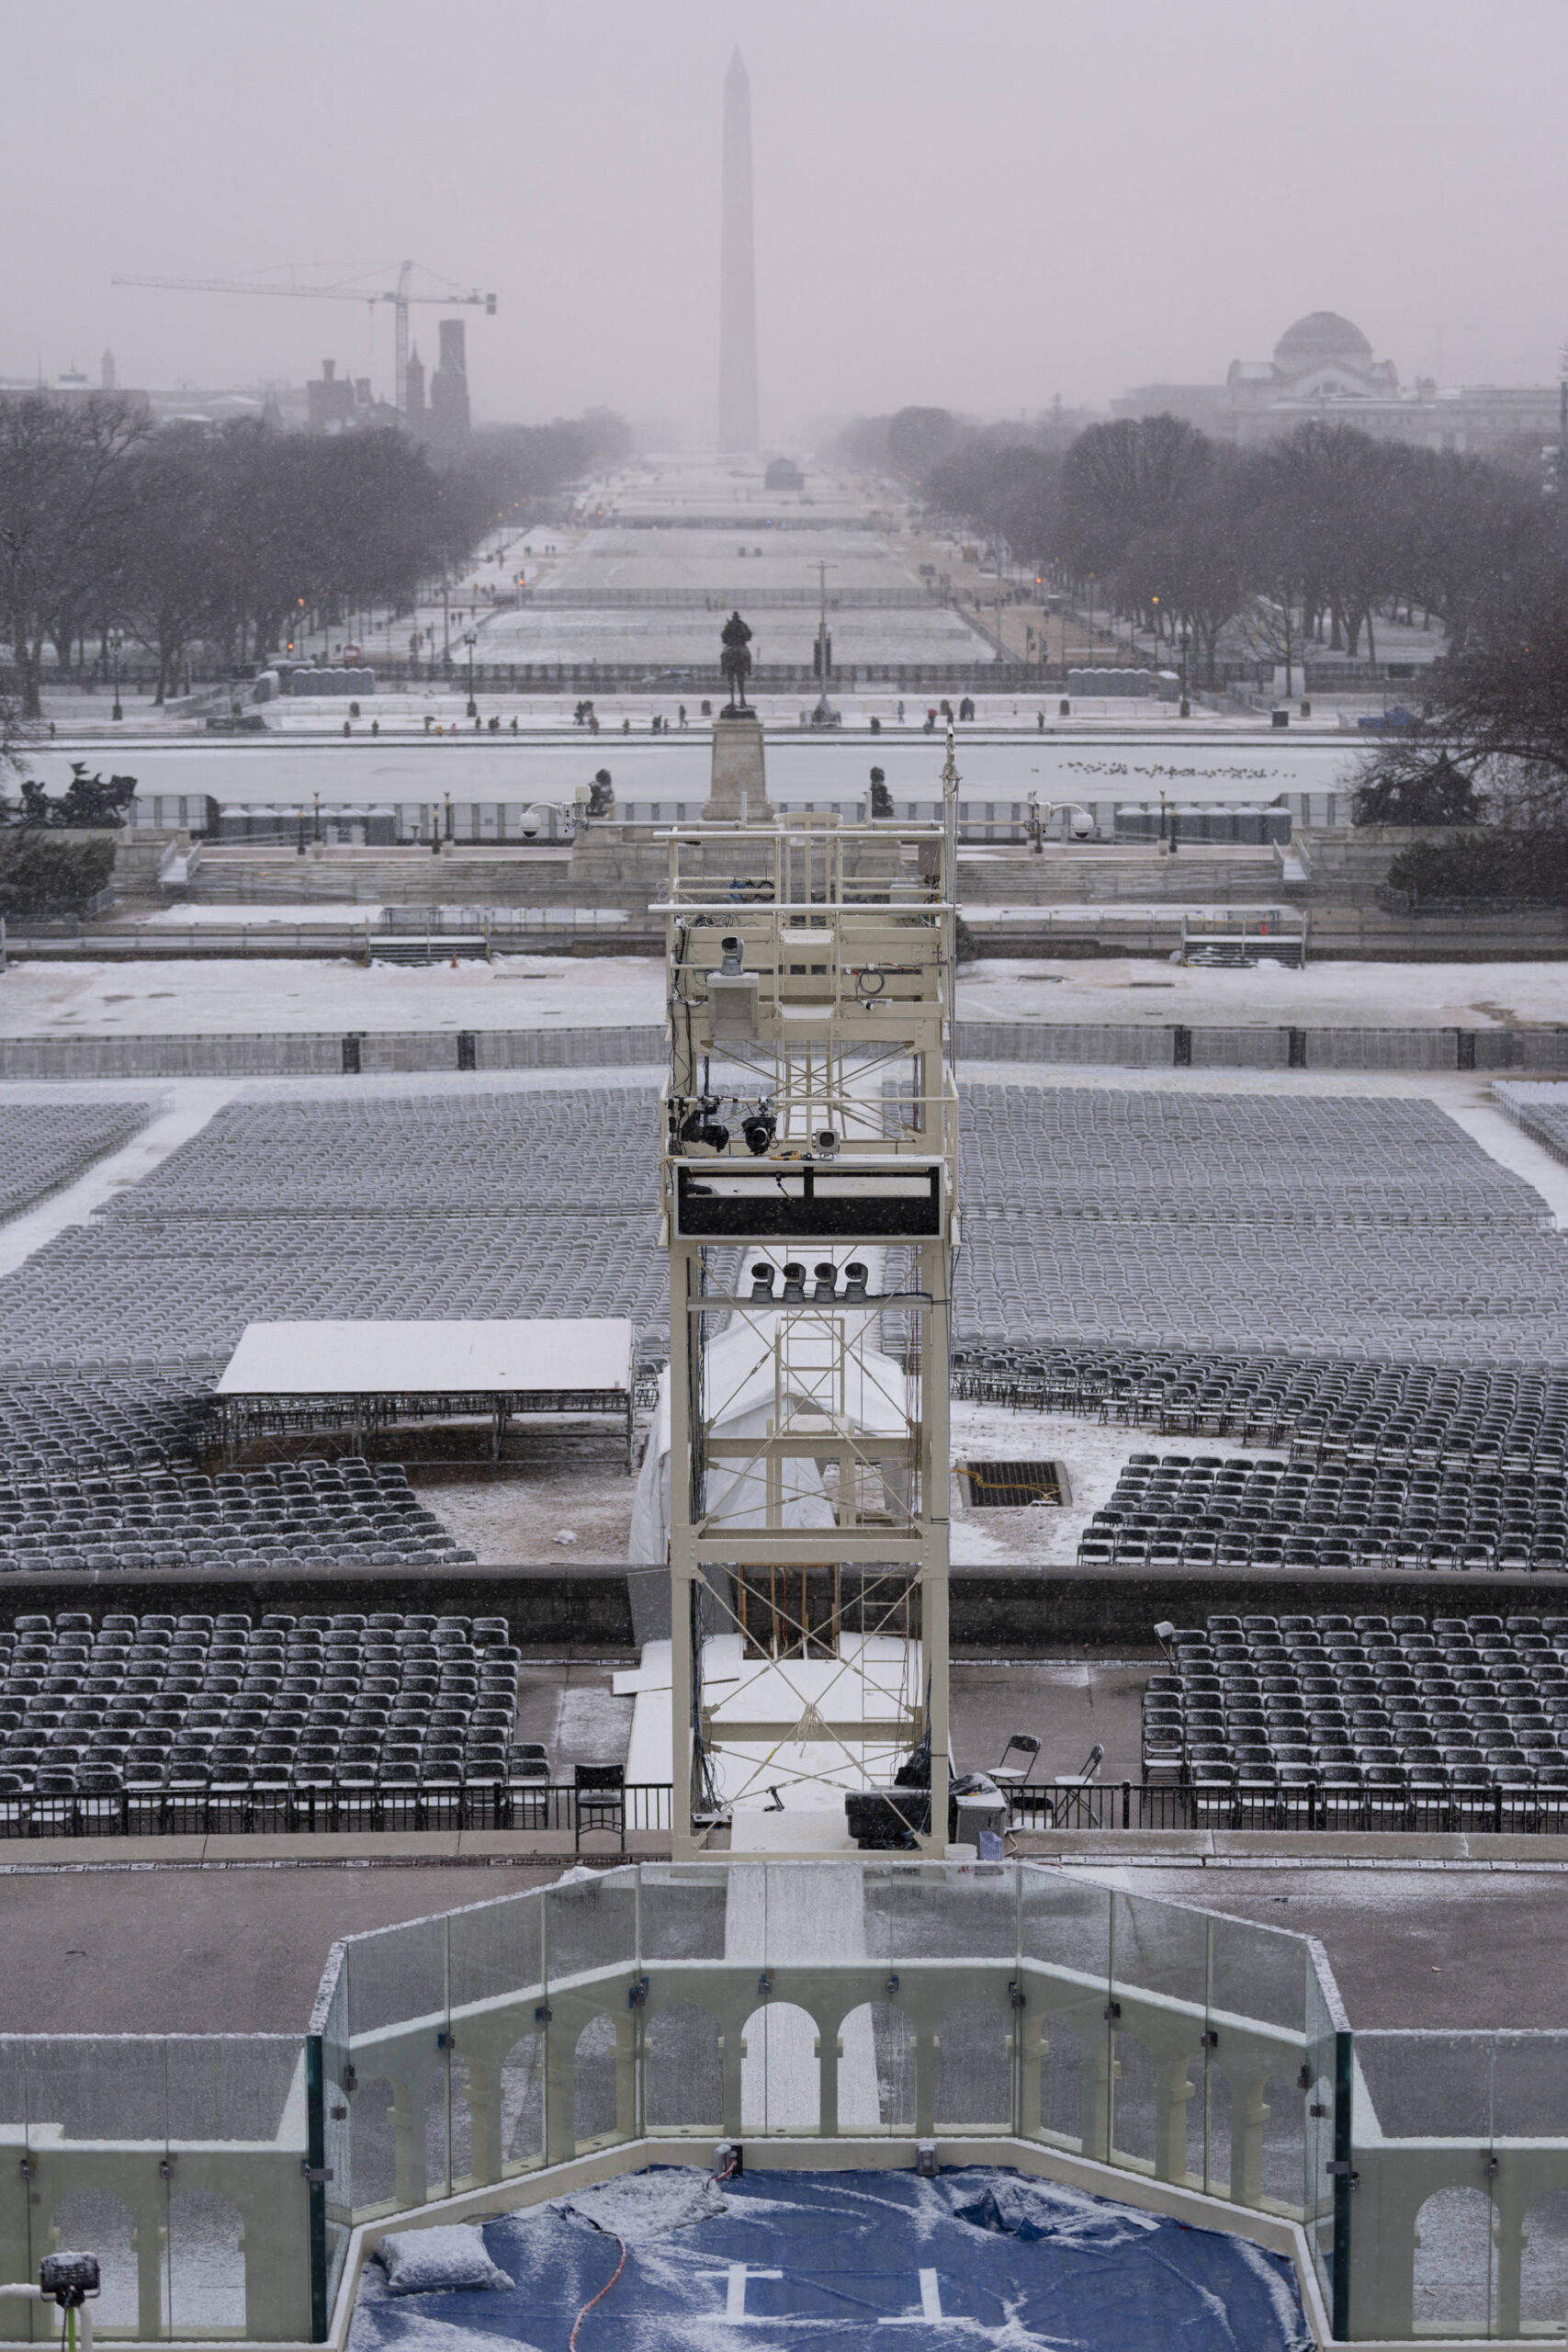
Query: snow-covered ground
[(181, 997), (1133, 752), (1326, 995), (238, 998)]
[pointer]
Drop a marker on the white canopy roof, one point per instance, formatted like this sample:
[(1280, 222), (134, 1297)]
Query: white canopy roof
[(428, 1358)]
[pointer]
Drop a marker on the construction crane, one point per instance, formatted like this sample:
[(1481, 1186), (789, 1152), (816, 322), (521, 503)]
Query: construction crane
[(399, 295)]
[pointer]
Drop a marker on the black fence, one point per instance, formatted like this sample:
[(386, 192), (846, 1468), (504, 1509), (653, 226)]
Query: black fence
[(1103, 1804), (197, 1808)]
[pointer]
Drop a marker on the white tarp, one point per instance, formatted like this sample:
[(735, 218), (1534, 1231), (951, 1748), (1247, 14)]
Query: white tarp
[(429, 1359), (740, 1376)]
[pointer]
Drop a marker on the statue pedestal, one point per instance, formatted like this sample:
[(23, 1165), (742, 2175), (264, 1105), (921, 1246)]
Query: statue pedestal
[(738, 793)]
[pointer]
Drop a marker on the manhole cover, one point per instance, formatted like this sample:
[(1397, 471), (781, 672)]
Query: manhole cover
[(1007, 1486)]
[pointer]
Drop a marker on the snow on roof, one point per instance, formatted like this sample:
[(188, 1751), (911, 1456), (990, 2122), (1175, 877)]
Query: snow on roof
[(429, 1359)]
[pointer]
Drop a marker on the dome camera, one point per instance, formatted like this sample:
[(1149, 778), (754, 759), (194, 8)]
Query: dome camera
[(1082, 824), (531, 823)]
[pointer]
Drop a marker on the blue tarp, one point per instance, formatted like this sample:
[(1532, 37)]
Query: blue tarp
[(802, 2260)]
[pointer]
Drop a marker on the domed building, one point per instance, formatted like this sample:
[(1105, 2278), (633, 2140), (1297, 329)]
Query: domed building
[(1324, 369), (1322, 359)]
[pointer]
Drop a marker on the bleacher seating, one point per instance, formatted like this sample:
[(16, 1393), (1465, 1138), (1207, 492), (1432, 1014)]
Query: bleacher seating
[(312, 1512), (44, 1145), (356, 1205), (1179, 1511), (151, 1701), (1366, 1722), (1369, 1226), (1319, 1407)]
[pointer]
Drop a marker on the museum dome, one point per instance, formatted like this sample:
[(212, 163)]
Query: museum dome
[(1321, 336)]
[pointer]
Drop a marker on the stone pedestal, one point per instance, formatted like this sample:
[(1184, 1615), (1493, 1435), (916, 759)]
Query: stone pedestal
[(740, 789)]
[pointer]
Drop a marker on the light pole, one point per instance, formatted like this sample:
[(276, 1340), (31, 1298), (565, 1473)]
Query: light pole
[(473, 709), (1038, 819), (1186, 704), (116, 646)]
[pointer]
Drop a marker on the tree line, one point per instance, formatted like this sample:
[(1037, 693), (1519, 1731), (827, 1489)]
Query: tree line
[(185, 536), (1308, 540)]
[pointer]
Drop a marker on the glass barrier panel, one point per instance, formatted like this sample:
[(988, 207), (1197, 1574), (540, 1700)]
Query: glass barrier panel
[(591, 1925), (16, 2318), (1160, 1950), (98, 2086), (330, 2021), (941, 1911), (746, 1915), (90, 2088), (1159, 1968), (1317, 2150), (1065, 1929), (397, 1977), (1530, 2086), (495, 1952), (234, 2088), (1259, 1972), (685, 1913), (1424, 2087)]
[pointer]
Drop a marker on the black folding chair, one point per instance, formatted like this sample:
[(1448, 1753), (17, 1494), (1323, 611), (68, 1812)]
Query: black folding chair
[(601, 1799)]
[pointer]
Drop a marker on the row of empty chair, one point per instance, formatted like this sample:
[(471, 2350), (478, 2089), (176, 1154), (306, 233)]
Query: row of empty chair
[(44, 1145), (159, 1290), (1130, 1219), (140, 1521), (1371, 1721), (1104, 1153), (1179, 1511), (1365, 1226), (437, 1152), (49, 1429), (1324, 1406), (1540, 1108), (152, 1700)]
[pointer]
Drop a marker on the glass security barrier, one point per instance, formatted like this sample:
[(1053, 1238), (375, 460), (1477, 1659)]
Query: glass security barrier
[(219, 2177)]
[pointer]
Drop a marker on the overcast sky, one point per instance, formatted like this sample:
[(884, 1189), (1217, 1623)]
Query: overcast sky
[(984, 206)]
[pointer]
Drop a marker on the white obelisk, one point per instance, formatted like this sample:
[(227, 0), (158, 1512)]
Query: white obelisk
[(736, 282)]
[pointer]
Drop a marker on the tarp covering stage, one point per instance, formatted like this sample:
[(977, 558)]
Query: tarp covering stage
[(515, 1357), (813, 2260)]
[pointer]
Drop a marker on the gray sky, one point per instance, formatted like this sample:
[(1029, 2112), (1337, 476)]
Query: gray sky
[(982, 206)]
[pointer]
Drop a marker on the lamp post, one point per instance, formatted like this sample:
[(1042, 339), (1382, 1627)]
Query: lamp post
[(1039, 818), (473, 709), (116, 646), (1186, 705)]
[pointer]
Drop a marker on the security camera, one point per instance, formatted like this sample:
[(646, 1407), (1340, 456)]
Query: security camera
[(1082, 824), (531, 823)]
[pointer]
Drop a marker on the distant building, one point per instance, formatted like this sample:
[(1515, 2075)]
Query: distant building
[(73, 390), (336, 403), (414, 381), (448, 424), (783, 474), (106, 372), (1324, 369)]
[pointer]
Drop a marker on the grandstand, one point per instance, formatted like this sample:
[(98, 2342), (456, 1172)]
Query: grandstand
[(1370, 1723), (97, 1722), (45, 1143)]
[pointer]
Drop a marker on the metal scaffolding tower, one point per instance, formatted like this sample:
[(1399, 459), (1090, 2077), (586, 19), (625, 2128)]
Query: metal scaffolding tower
[(810, 1210)]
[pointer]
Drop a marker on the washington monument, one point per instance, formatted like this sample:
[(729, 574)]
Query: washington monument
[(736, 272)]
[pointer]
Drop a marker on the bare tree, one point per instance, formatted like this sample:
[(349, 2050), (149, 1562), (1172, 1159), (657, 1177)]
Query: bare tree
[(65, 492)]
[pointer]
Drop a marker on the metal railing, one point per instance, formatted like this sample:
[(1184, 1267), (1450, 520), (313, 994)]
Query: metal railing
[(264, 1806)]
